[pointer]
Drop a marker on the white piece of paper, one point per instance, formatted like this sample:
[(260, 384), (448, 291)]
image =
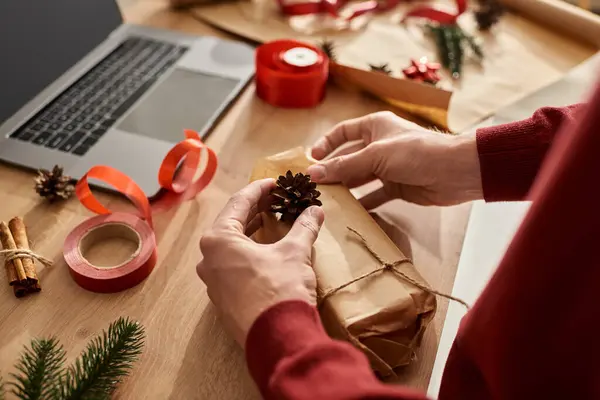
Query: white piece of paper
[(489, 232)]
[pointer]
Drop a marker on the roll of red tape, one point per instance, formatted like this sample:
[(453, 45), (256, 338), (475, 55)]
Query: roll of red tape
[(115, 278), (291, 74), (182, 175)]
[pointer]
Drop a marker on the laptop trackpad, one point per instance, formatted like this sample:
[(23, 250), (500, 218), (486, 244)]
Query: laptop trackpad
[(184, 100)]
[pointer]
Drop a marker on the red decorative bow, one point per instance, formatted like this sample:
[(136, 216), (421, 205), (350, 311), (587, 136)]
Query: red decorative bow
[(423, 71)]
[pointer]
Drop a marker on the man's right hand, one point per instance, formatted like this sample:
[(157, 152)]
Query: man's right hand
[(413, 163)]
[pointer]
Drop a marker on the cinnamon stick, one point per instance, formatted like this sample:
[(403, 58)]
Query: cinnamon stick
[(19, 290), (34, 288), (19, 233), (8, 243)]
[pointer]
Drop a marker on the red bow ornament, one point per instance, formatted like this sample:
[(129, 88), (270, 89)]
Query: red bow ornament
[(423, 71)]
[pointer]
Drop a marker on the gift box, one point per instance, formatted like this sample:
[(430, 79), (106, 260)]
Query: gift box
[(369, 292)]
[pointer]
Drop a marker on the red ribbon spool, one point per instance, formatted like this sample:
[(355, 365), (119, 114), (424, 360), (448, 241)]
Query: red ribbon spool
[(184, 157), (120, 277), (291, 74)]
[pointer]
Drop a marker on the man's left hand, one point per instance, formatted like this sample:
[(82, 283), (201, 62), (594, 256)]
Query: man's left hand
[(244, 278)]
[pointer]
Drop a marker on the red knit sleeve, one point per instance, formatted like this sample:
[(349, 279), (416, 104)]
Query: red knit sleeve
[(533, 332), (291, 357), (510, 155)]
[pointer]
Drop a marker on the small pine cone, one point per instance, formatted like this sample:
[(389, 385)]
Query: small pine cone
[(488, 15), (328, 47), (293, 195), (53, 185), (383, 68)]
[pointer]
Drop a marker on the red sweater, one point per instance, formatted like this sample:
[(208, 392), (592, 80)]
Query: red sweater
[(533, 333)]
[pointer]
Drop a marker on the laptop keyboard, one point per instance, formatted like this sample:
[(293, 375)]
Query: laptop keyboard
[(77, 119)]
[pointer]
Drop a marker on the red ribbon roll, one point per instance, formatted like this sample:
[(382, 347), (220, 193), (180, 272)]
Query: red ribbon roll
[(186, 155), (111, 279), (291, 74)]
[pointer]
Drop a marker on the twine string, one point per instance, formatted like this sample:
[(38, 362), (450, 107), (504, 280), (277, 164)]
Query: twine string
[(13, 254), (387, 266)]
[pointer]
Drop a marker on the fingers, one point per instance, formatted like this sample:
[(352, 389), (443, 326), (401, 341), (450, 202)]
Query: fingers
[(244, 205), (353, 169), (375, 199), (306, 228), (352, 148), (344, 132), (254, 225), (200, 271)]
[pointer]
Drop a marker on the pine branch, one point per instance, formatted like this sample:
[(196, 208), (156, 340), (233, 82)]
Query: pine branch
[(106, 361), (40, 367)]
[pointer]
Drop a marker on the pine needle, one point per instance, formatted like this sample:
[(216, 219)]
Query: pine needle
[(40, 367), (103, 365)]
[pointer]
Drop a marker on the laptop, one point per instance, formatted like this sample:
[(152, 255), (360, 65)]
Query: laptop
[(78, 87)]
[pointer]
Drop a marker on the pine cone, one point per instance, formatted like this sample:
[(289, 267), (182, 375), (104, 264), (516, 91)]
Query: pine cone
[(383, 68), (293, 195), (328, 47), (53, 184), (488, 14)]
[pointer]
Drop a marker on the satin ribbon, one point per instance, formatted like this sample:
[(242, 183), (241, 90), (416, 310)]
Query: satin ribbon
[(177, 188), (437, 15), (332, 7)]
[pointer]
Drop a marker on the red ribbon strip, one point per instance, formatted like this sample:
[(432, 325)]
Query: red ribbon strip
[(177, 188), (437, 15), (332, 7)]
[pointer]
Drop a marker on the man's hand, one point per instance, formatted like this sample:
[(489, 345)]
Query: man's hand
[(415, 164), (244, 278)]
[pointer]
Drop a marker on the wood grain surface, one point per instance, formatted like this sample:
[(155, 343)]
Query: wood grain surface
[(188, 355)]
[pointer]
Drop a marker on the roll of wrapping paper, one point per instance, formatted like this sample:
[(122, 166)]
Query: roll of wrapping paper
[(134, 227), (291, 74)]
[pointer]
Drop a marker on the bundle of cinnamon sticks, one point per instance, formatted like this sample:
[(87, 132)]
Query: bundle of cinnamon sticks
[(20, 271)]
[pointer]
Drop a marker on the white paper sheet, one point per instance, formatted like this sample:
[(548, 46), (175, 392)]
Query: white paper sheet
[(490, 230)]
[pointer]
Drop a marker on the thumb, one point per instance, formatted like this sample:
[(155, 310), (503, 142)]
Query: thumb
[(307, 226), (353, 169)]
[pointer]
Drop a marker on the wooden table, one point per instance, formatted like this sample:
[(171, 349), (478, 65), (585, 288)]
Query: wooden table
[(187, 353)]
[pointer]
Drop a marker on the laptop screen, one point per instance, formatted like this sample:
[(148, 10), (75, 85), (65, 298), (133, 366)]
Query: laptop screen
[(41, 39)]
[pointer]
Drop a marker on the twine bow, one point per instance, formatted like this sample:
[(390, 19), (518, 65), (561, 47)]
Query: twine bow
[(13, 254), (387, 266)]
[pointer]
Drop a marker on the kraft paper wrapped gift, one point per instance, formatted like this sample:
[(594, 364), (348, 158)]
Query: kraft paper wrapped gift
[(383, 314)]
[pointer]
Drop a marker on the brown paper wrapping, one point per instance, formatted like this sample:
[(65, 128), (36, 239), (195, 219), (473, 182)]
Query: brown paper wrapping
[(383, 315), (422, 100), (533, 46)]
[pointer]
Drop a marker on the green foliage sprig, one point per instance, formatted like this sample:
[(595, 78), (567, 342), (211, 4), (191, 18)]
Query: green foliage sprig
[(40, 367), (96, 374), (451, 41)]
